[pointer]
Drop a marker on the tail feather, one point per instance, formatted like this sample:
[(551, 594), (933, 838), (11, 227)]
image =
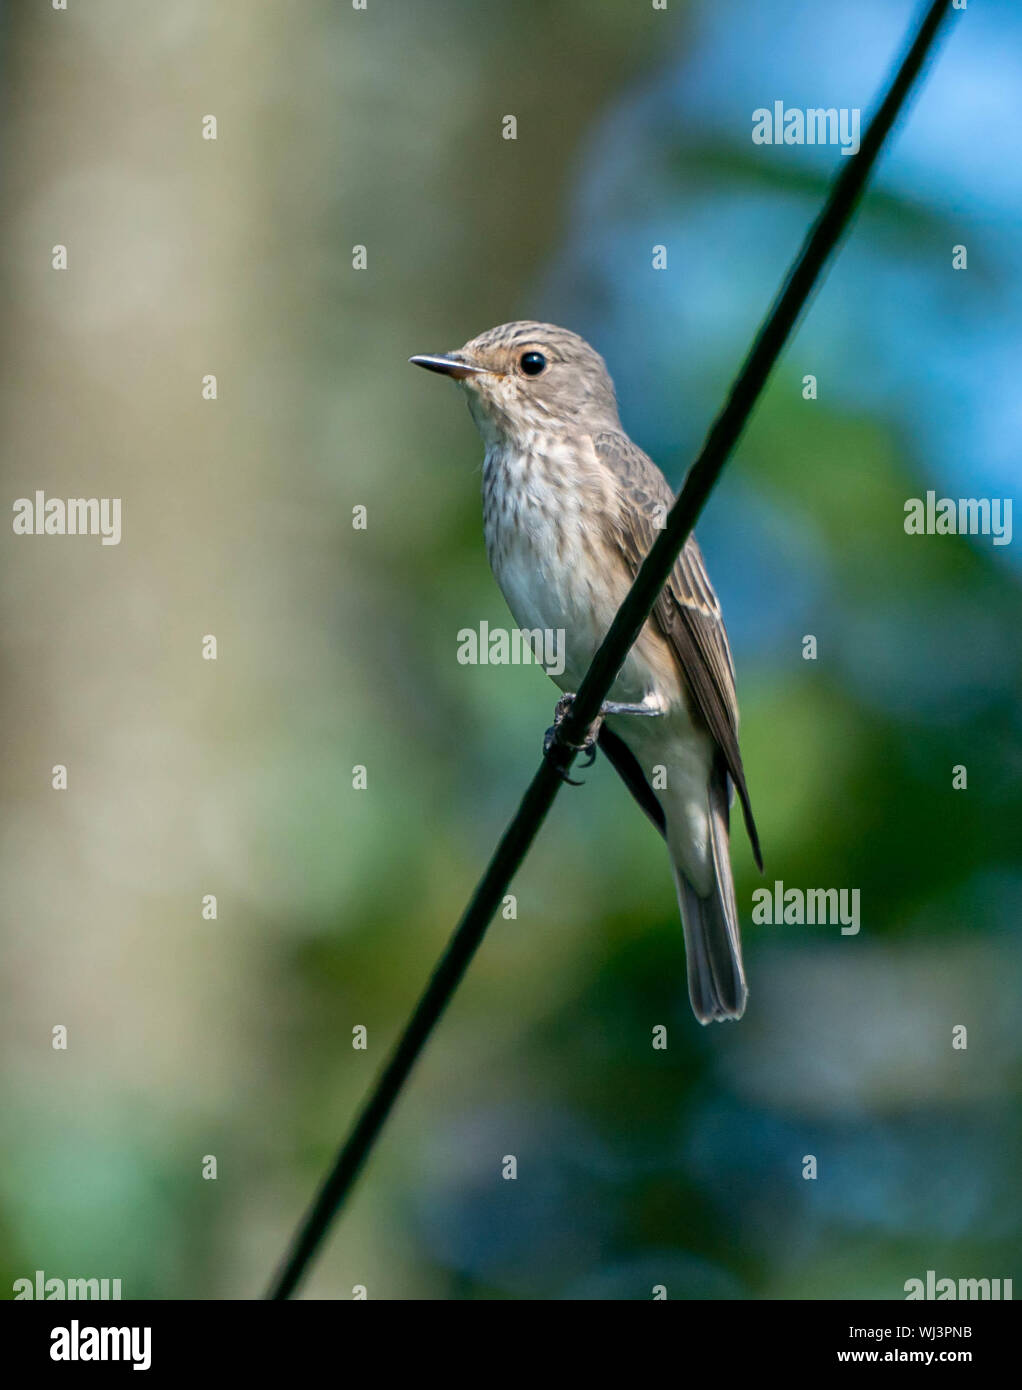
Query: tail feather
[(716, 976)]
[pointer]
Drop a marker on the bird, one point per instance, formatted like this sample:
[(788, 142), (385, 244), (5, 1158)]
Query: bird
[(571, 507)]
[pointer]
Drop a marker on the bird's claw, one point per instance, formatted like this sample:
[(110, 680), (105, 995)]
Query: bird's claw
[(587, 748)]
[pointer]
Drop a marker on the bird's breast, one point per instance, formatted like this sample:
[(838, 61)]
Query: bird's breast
[(547, 516)]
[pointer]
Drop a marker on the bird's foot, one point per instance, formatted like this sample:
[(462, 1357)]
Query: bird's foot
[(651, 707), (587, 747)]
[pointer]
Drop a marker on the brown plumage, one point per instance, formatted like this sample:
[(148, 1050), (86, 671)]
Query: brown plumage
[(571, 507), (688, 610)]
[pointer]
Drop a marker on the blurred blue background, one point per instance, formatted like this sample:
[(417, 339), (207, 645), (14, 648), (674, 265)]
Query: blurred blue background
[(337, 647)]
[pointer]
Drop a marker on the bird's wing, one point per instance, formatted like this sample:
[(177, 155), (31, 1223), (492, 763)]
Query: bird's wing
[(687, 611)]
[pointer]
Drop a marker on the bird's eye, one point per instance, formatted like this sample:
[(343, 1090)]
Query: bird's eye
[(532, 363)]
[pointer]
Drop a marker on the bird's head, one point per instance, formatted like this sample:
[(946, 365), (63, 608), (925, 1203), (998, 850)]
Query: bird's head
[(526, 378)]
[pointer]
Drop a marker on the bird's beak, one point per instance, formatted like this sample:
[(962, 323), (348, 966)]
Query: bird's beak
[(450, 364)]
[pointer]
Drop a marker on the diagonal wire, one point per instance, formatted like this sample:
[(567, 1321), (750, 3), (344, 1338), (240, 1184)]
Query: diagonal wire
[(789, 304)]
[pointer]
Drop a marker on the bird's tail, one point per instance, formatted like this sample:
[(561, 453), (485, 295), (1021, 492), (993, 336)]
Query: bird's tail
[(713, 947)]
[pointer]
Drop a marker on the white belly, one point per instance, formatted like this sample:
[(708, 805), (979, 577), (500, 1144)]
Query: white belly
[(559, 601), (556, 576), (544, 545)]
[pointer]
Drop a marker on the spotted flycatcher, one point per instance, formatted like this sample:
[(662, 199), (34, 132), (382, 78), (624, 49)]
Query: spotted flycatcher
[(570, 509)]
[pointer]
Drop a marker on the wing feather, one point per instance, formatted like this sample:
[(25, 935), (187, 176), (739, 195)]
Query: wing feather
[(687, 611)]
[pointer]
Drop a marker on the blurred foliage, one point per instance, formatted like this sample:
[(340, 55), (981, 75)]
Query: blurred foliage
[(337, 647)]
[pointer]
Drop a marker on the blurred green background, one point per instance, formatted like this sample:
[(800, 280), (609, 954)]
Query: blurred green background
[(337, 647)]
